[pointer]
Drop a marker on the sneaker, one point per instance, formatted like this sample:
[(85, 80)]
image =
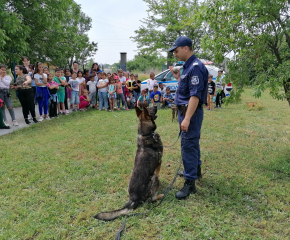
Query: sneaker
[(66, 112), (118, 109), (93, 107), (127, 109), (27, 121), (34, 120), (5, 127), (100, 109), (15, 123), (74, 110), (6, 123), (59, 113), (220, 107), (29, 117), (40, 119), (63, 113), (46, 118)]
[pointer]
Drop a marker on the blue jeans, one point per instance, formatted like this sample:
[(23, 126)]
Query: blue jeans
[(136, 95), (190, 150), (75, 97), (103, 100)]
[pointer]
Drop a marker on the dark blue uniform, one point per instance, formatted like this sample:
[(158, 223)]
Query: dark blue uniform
[(193, 82)]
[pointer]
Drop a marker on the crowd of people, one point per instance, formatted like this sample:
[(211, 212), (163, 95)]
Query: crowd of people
[(62, 90)]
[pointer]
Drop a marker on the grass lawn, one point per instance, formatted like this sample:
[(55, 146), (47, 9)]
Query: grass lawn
[(57, 174)]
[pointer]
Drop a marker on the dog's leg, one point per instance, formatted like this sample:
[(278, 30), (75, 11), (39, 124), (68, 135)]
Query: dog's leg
[(157, 170), (155, 198)]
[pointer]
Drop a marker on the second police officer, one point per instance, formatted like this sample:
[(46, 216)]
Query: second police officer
[(190, 97)]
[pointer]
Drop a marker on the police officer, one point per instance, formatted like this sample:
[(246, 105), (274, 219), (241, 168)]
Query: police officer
[(189, 98)]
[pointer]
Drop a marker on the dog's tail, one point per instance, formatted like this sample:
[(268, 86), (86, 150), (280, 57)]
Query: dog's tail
[(108, 216)]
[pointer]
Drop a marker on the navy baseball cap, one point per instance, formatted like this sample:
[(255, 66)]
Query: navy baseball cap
[(181, 41)]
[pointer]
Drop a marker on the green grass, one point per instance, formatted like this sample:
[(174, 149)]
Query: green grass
[(56, 175)]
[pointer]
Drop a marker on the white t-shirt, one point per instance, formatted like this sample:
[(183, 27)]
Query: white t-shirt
[(40, 78), (151, 83), (92, 86), (102, 82), (122, 79), (81, 80), (74, 84)]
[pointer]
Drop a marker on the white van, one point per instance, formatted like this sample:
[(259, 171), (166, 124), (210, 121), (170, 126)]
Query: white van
[(166, 77)]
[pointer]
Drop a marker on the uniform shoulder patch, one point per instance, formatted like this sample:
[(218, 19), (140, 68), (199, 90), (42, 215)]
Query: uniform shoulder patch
[(195, 80), (195, 64)]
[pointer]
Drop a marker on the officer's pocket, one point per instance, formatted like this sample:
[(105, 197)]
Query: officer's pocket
[(195, 125)]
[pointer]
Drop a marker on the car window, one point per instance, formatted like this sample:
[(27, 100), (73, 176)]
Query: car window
[(169, 76), (161, 76)]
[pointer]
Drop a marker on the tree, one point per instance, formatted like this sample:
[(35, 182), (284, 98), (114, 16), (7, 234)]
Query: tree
[(168, 19), (255, 33), (143, 62), (48, 30)]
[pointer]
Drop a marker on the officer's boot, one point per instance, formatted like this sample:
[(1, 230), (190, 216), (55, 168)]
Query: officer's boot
[(199, 175), (188, 188)]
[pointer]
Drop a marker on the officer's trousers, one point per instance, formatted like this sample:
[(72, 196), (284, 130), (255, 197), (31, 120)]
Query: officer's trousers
[(190, 150)]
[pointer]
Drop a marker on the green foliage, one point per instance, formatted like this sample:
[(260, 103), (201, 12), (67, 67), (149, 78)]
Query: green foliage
[(143, 62), (50, 31), (257, 34), (165, 22)]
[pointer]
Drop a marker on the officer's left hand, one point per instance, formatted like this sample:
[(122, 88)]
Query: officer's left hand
[(184, 125)]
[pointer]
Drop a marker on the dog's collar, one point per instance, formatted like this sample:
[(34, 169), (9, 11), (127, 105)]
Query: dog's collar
[(152, 134)]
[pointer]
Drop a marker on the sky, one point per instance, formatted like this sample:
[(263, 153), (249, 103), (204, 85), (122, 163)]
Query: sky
[(113, 23)]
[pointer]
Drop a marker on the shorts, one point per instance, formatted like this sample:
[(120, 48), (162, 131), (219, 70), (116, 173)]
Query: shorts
[(61, 96), (75, 99), (168, 103)]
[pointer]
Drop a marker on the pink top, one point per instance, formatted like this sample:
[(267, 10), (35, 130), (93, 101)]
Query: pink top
[(52, 83), (119, 88)]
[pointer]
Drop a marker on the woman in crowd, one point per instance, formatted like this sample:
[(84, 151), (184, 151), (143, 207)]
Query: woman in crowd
[(95, 66), (25, 92), (42, 94), (5, 95)]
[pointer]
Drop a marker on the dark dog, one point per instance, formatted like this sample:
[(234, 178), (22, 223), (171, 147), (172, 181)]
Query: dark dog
[(144, 180)]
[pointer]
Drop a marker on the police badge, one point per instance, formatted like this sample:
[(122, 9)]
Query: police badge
[(194, 80)]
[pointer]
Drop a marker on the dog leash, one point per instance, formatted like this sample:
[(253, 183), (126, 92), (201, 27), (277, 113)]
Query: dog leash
[(175, 141), (118, 235)]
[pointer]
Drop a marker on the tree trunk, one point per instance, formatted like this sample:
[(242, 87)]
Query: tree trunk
[(169, 61)]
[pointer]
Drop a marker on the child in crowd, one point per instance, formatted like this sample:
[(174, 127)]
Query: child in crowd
[(102, 91), (122, 79), (143, 98), (162, 88), (82, 82), (151, 82), (211, 92), (52, 86), (42, 94), (126, 75), (61, 91), (74, 86), (112, 93), (46, 70), (156, 97), (130, 100), (92, 85), (129, 83), (84, 100), (167, 98), (136, 87), (120, 95)]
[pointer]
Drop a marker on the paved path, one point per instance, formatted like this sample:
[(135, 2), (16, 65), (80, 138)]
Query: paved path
[(19, 118)]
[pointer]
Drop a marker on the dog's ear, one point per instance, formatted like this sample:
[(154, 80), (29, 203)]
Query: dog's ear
[(146, 114), (138, 111)]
